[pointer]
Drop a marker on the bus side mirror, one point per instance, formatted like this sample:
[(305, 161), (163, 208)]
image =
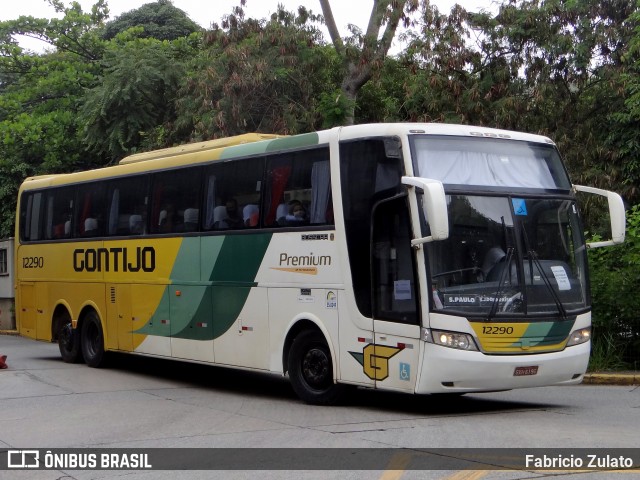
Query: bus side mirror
[(616, 214), (435, 208)]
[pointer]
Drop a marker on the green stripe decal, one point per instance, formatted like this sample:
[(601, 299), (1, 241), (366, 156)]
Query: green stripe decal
[(240, 258), (257, 148), (296, 141), (546, 333), (226, 267)]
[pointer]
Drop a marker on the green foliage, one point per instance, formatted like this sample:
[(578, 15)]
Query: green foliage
[(136, 93), (607, 353), (74, 33), (39, 97), (251, 75), (159, 20), (615, 282), (551, 67)]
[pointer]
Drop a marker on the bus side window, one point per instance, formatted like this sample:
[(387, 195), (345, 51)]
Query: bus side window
[(32, 212), (300, 181), (127, 201), (59, 213), (90, 210), (174, 201), (233, 193)]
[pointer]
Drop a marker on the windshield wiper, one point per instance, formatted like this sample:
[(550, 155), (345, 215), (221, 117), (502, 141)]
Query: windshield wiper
[(533, 256), (503, 273)]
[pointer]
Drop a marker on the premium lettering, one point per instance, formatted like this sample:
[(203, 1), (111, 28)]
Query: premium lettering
[(304, 260), (114, 259)]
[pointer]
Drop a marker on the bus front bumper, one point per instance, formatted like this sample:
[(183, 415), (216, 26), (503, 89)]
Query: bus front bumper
[(447, 370)]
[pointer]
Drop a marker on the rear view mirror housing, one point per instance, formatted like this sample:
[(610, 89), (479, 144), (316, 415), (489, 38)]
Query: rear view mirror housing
[(616, 215), (434, 208)]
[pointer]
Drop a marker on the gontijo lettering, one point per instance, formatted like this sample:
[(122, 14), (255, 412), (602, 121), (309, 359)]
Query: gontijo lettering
[(114, 259)]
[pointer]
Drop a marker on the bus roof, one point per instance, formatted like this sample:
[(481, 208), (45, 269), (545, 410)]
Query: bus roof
[(257, 143), (197, 147)]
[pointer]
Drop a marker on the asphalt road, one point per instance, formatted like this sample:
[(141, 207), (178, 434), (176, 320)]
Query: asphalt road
[(141, 403)]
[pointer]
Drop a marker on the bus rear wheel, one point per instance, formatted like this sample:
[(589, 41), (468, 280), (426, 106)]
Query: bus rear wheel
[(92, 341), (311, 370), (69, 342)]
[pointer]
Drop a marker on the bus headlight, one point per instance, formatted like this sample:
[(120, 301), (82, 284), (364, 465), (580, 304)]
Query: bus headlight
[(579, 336), (461, 341)]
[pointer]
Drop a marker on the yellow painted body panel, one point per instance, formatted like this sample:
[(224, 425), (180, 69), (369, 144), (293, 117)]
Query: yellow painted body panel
[(51, 275)]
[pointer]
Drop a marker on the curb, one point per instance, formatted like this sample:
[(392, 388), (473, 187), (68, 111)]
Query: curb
[(612, 379), (8, 332)]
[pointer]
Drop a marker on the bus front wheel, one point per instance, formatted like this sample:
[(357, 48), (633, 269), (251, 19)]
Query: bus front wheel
[(92, 341), (311, 370), (69, 342)]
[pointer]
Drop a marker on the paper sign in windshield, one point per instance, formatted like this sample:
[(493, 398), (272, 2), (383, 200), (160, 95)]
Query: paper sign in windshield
[(402, 290), (561, 277)]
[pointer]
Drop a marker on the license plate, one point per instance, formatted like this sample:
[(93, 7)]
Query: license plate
[(522, 371)]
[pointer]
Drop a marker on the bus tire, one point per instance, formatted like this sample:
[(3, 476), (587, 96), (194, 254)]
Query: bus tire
[(69, 342), (92, 340), (311, 369)]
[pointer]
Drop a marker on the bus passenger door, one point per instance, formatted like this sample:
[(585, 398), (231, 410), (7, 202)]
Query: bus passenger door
[(395, 303)]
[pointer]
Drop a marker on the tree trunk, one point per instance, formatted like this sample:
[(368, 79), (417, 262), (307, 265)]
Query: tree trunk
[(358, 66)]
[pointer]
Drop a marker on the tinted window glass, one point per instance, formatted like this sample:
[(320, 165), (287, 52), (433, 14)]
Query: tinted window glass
[(367, 176), (59, 213), (31, 216), (90, 214), (298, 189), (175, 201), (489, 162), (128, 206), (232, 195)]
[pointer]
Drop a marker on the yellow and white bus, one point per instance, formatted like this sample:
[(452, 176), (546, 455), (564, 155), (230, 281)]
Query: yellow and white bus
[(420, 258)]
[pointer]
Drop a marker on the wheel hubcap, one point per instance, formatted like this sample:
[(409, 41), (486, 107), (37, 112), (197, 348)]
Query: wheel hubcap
[(316, 368), (66, 337)]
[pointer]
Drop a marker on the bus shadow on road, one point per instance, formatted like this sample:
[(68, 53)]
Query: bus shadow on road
[(272, 387)]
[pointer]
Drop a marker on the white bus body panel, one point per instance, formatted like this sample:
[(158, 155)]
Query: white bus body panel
[(476, 372)]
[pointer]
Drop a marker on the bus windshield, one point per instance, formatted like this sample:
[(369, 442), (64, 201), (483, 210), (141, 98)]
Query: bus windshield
[(507, 256), (489, 162)]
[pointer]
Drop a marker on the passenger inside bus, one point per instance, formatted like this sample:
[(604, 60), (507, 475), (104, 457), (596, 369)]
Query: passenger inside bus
[(167, 218), (297, 213), (234, 219)]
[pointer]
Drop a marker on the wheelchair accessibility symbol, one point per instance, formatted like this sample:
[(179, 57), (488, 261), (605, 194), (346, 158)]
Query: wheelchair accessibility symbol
[(405, 371)]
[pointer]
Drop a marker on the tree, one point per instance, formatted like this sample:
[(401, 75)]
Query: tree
[(364, 53), (615, 281), (159, 20), (136, 94), (552, 67), (256, 75), (39, 98), (76, 32)]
